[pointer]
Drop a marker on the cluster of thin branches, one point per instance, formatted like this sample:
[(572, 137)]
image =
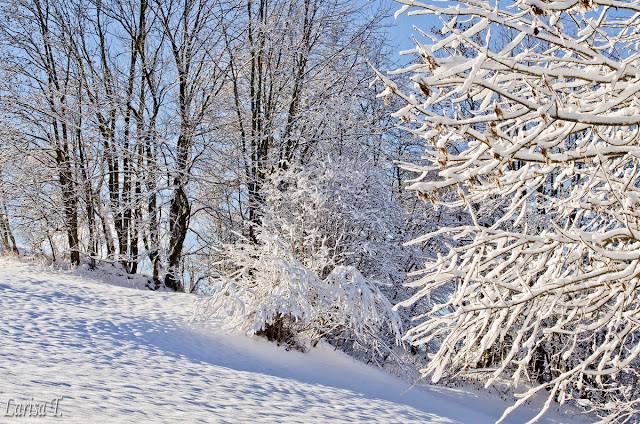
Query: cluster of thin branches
[(533, 104)]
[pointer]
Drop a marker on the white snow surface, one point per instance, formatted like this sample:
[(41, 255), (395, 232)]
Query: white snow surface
[(117, 354)]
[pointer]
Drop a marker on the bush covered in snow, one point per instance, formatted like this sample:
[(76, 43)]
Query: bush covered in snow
[(267, 291), (323, 261)]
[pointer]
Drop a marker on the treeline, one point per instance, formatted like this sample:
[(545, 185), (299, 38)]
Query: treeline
[(144, 132)]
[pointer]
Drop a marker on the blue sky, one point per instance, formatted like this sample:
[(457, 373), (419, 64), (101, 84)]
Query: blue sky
[(401, 29)]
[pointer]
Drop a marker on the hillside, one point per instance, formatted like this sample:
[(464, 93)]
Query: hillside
[(117, 354)]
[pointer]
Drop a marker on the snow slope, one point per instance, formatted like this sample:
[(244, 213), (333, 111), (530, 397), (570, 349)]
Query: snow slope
[(116, 354)]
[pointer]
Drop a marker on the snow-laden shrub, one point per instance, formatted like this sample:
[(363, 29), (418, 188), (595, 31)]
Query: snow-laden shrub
[(267, 291), (261, 285), (325, 257)]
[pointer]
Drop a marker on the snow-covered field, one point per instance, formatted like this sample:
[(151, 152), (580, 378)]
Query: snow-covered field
[(116, 354)]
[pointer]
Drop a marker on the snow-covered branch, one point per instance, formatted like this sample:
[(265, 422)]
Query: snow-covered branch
[(535, 103)]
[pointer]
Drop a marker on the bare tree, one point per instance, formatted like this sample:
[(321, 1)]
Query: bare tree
[(192, 29), (46, 101)]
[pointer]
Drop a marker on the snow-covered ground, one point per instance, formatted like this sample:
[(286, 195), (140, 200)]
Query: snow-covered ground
[(116, 354)]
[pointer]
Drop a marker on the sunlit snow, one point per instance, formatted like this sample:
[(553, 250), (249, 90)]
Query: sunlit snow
[(116, 354)]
